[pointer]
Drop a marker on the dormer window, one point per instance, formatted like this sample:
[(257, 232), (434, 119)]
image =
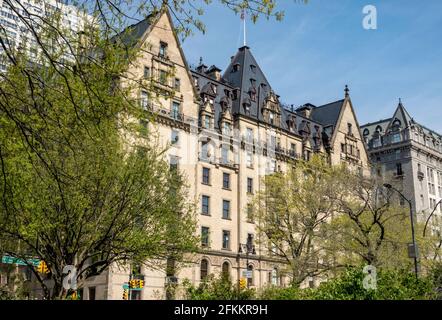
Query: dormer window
[(163, 49), (195, 81), (253, 82), (252, 93), (214, 88), (236, 67), (253, 68), (271, 118)]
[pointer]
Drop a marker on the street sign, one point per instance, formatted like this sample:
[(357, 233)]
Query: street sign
[(20, 262), (248, 274)]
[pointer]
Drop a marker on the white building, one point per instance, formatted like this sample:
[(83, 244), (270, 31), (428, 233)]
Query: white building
[(16, 16)]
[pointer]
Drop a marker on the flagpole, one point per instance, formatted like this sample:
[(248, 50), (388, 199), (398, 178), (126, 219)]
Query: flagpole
[(243, 15)]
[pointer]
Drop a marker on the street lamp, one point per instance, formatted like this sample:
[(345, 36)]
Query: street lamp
[(390, 187), (431, 214), (248, 248)]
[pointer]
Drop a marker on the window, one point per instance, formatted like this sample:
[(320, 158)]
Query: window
[(144, 99), (177, 84), (250, 279), (226, 240), (226, 209), (292, 149), (146, 72), (92, 293), (343, 148), (275, 277), (195, 81), (204, 269), (175, 137), (249, 160), (206, 176), (205, 236), (249, 213), (236, 67), (205, 205), (249, 135), (174, 162), (431, 185), (227, 128), (399, 171), (271, 118), (226, 270), (163, 77), (350, 128), (163, 49), (226, 180), (225, 154), (249, 185), (205, 151), (175, 110), (207, 121)]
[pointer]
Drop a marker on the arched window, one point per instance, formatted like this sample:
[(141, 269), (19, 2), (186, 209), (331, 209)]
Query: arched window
[(250, 279), (204, 269), (379, 129), (366, 132), (226, 270)]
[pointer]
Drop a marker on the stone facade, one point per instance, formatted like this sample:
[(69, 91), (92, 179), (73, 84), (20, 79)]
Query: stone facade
[(408, 156), (225, 132)]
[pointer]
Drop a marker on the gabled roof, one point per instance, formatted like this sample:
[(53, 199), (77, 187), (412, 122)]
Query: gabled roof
[(328, 114), (134, 33), (402, 115)]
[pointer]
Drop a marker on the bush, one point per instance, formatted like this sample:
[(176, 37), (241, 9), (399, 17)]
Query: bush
[(220, 288), (391, 285)]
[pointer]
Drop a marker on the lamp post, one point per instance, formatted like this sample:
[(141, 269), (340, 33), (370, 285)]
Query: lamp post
[(390, 187), (248, 248), (429, 217)]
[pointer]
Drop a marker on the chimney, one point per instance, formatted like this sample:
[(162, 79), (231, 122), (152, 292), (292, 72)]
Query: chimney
[(214, 73), (305, 111)]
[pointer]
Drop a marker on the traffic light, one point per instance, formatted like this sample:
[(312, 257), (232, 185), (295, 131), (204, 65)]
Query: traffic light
[(125, 294), (141, 284), (242, 283), (42, 267), (133, 284)]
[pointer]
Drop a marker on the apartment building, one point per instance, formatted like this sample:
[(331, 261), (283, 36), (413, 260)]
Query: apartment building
[(17, 16), (225, 131), (409, 156)]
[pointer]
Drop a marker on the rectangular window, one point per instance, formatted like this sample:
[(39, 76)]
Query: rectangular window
[(226, 209), (146, 72), (399, 171), (350, 128), (144, 100), (226, 240), (343, 147), (226, 180), (163, 77), (207, 122), (249, 185), (204, 151), (226, 128), (249, 135), (249, 160), (175, 110), (225, 154), (92, 293), (163, 49), (205, 205), (206, 176), (175, 137), (249, 213), (292, 149), (205, 236), (177, 84)]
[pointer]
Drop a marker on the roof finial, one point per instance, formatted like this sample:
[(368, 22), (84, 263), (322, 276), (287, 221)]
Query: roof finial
[(400, 100), (347, 91), (201, 61)]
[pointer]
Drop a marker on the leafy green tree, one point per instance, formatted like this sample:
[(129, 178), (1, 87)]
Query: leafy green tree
[(292, 210)]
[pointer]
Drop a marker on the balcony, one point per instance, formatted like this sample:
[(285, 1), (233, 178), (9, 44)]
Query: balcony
[(227, 163)]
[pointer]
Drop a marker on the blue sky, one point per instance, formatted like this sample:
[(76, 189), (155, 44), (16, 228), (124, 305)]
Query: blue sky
[(320, 47)]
